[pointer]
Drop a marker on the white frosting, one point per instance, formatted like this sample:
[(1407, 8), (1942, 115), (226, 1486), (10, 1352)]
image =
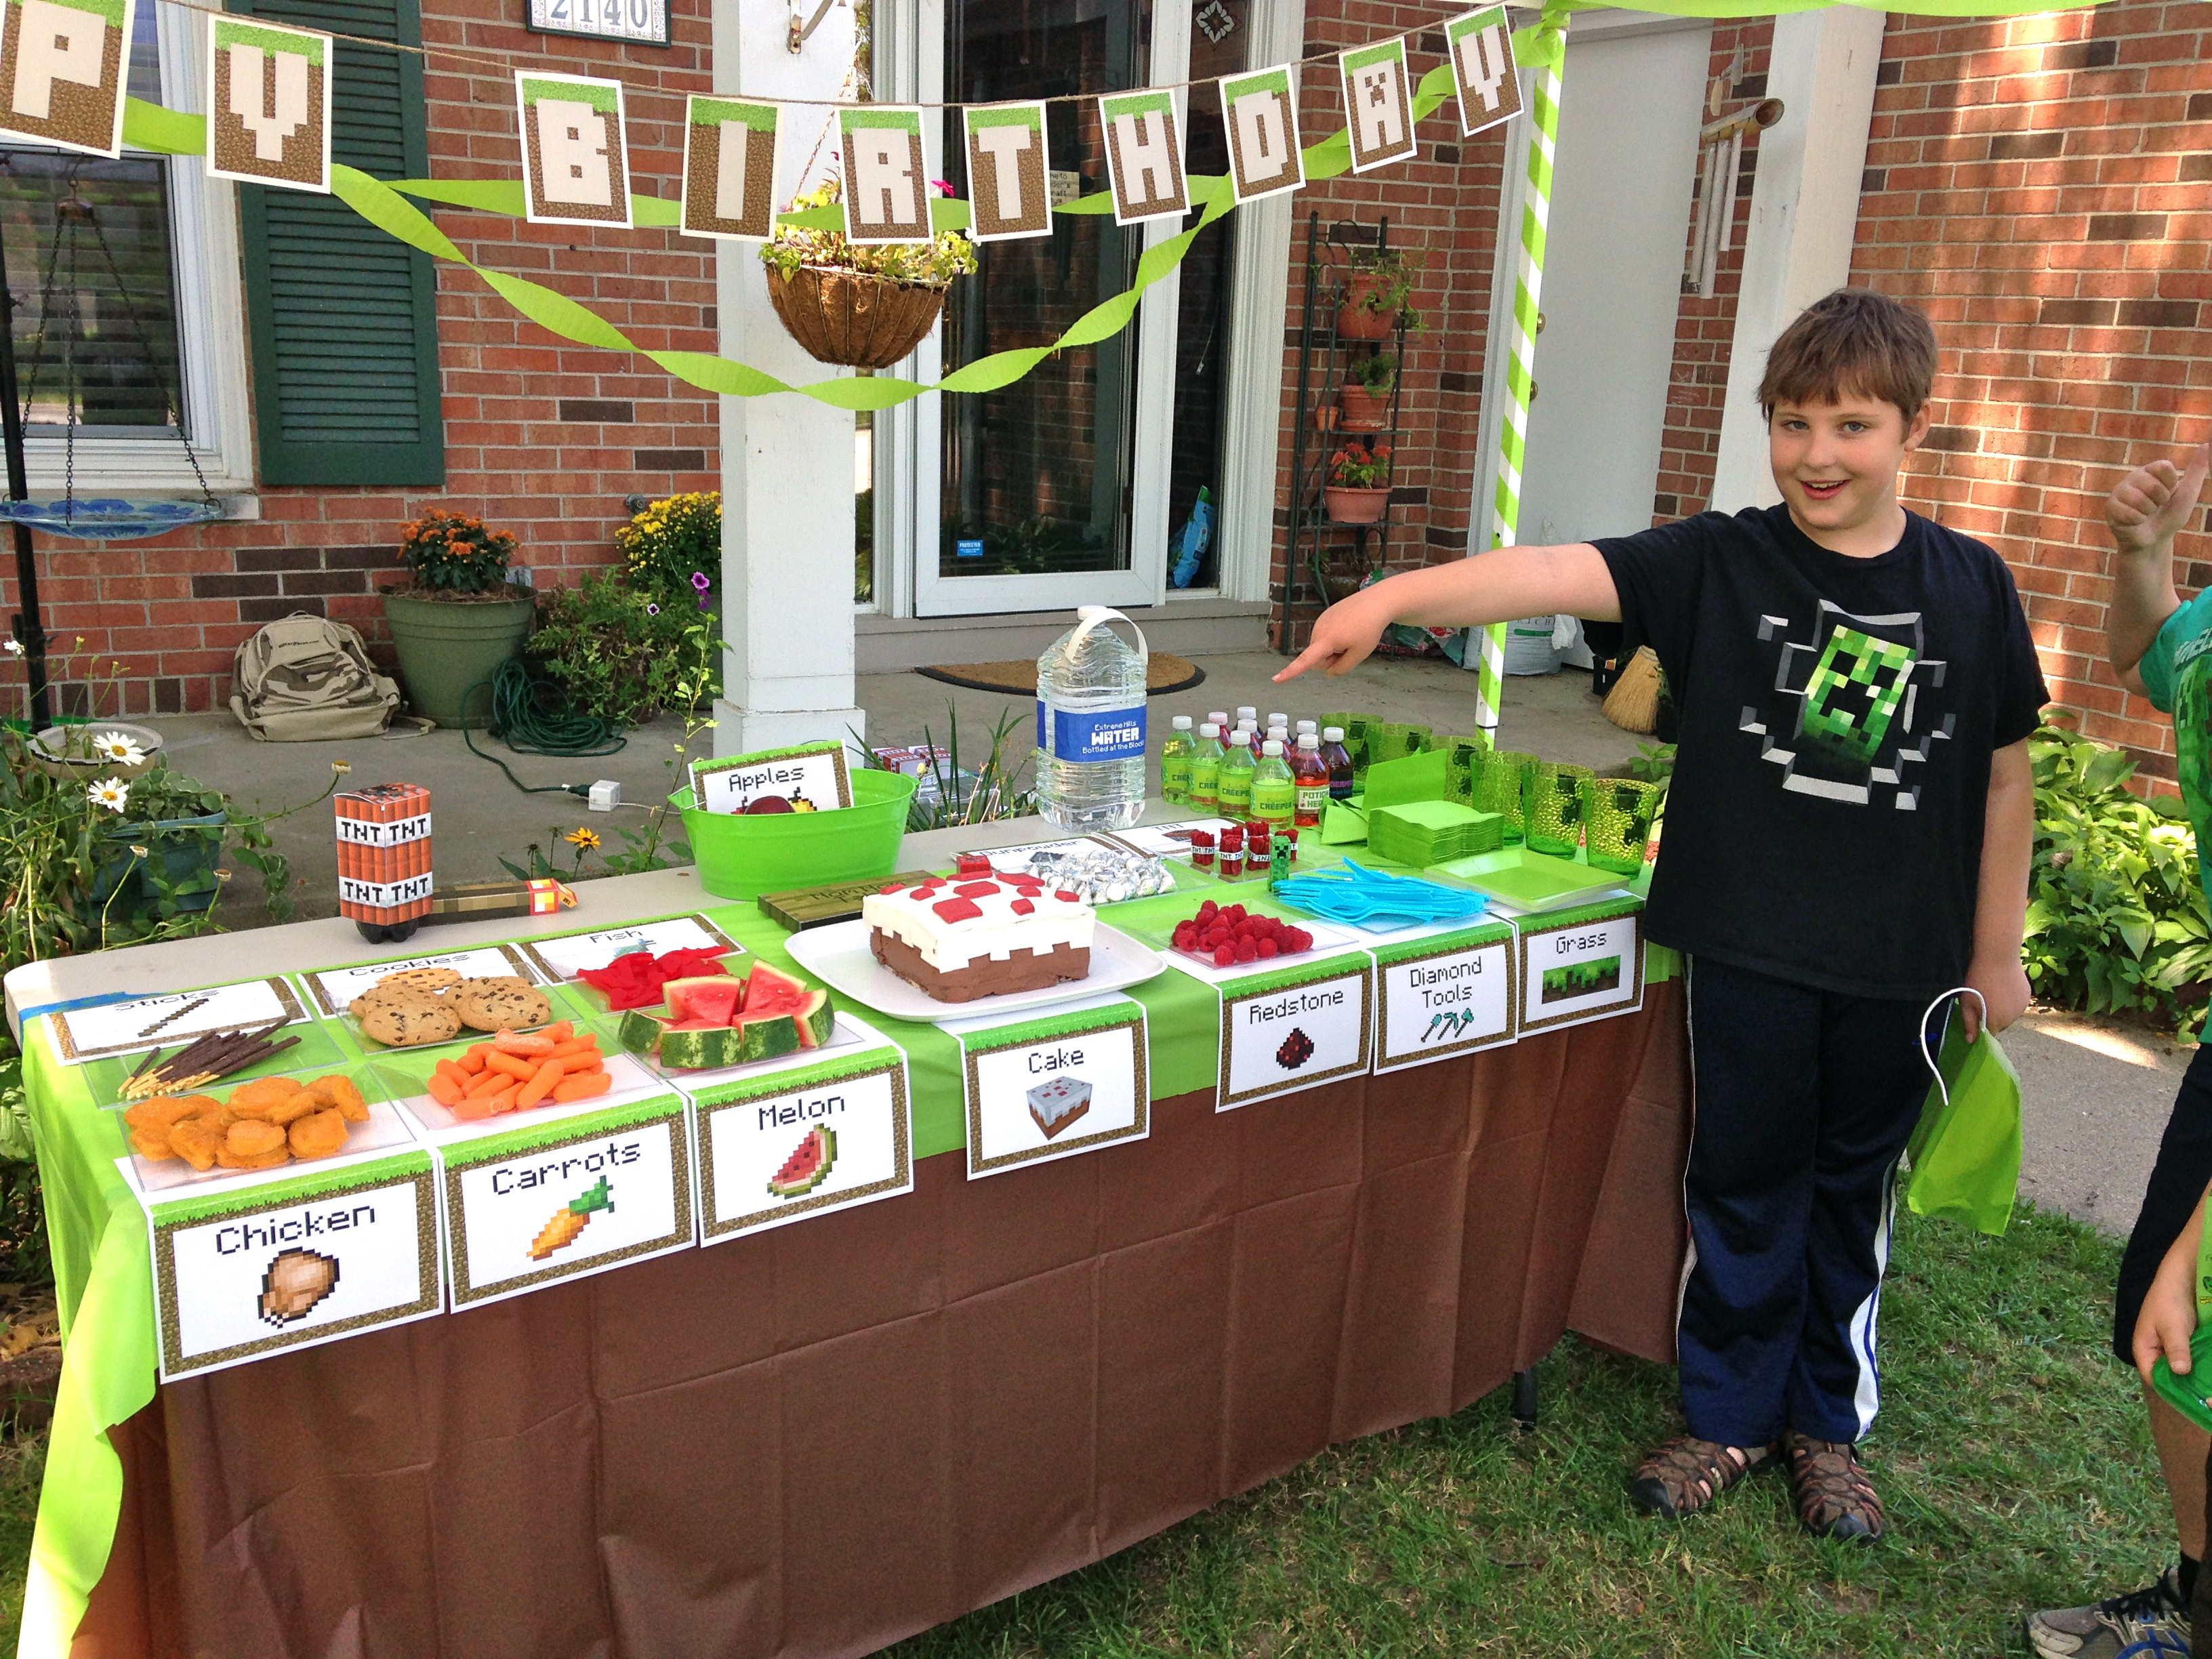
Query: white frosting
[(993, 933)]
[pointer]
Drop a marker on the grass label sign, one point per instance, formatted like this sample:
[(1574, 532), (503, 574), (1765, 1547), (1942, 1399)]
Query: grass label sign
[(1580, 965)]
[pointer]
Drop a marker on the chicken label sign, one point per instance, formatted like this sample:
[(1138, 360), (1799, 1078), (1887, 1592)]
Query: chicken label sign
[(268, 98), (1378, 105), (1260, 112), (575, 170), (63, 63), (886, 180), (1006, 171), (1483, 69), (729, 169), (1144, 156)]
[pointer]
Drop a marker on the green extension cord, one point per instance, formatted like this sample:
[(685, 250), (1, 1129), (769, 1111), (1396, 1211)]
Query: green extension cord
[(521, 720)]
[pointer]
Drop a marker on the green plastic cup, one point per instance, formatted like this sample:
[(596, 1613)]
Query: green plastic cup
[(741, 856), (1555, 808), (1617, 816), (1501, 786)]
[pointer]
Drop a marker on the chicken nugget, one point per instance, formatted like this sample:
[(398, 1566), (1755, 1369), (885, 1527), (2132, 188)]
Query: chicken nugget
[(338, 1090), (255, 1098), (297, 1106), (318, 1135), (152, 1141), (162, 1111), (251, 1137), (204, 1106), (267, 1160), (197, 1141)]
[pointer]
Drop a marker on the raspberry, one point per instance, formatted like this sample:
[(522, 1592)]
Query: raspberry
[(1224, 956)]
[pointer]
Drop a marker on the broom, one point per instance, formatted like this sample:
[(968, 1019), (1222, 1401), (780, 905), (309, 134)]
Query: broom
[(1633, 703)]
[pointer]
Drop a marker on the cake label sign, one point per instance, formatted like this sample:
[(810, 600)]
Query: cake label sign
[(1287, 1031), (802, 1140), (1054, 1084), (812, 779), (1445, 996), (1584, 964)]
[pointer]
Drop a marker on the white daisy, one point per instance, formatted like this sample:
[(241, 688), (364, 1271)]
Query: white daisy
[(120, 747), (13, 648), (113, 793)]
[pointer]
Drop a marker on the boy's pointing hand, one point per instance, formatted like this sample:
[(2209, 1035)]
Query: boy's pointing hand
[(1343, 637), (2153, 502)]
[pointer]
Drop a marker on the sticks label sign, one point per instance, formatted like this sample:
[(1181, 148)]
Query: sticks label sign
[(269, 91), (64, 63), (574, 167), (729, 169), (1378, 105), (1260, 112), (1006, 171), (1144, 156), (886, 180), (1483, 69)]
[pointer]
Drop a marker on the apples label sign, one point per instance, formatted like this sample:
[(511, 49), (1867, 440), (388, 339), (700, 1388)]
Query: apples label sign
[(1288, 1031), (813, 779), (1443, 996), (1582, 965)]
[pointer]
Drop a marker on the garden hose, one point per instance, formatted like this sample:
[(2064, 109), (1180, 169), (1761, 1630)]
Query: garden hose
[(520, 718)]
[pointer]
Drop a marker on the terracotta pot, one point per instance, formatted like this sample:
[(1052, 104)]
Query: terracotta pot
[(846, 317), (1363, 410), (1354, 320), (1347, 505), (1324, 418)]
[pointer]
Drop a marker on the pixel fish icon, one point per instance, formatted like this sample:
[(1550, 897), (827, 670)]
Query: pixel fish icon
[(1856, 709)]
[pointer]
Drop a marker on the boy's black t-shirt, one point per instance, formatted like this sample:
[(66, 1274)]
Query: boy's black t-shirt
[(1837, 716)]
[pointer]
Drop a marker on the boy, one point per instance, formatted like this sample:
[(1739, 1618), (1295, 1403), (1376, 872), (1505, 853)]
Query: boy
[(1847, 841), (2163, 649)]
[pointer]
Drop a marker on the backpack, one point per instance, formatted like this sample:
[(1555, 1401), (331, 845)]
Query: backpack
[(308, 678)]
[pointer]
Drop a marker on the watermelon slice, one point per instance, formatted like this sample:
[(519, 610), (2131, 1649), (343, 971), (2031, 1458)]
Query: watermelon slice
[(808, 1166), (715, 997), (770, 992)]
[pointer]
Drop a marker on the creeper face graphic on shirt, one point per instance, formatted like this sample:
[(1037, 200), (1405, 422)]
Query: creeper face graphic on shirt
[(1853, 709)]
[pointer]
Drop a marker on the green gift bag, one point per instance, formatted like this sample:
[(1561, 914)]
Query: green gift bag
[(1965, 1152), (2187, 1394)]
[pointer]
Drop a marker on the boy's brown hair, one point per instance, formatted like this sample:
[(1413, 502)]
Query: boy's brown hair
[(1853, 341)]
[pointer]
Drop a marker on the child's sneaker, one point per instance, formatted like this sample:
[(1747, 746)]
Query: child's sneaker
[(2148, 1622)]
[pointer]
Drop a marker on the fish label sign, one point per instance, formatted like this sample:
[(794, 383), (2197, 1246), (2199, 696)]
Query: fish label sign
[(812, 779), (536, 1206), (292, 1264), (1446, 995), (1288, 1031), (1580, 965), (804, 1140), (562, 957), (1051, 1087)]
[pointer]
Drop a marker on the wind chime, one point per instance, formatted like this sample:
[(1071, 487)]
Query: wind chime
[(1722, 147)]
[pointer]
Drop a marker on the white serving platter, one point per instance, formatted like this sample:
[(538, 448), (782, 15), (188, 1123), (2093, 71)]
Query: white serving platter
[(839, 956)]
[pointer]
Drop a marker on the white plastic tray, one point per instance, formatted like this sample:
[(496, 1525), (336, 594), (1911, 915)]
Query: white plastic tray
[(839, 956)]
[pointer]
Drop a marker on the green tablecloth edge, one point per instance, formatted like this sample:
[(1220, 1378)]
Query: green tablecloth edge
[(103, 1260)]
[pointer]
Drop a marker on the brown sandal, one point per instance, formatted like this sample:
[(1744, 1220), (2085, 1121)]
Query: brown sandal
[(1835, 1499), (1686, 1473)]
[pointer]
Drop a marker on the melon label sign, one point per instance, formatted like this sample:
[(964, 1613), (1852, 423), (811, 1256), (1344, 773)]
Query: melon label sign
[(1580, 965), (802, 1137), (1286, 1031), (1054, 1086), (1449, 995)]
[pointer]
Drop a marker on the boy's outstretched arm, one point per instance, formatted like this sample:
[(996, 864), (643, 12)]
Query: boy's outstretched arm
[(2001, 899), (1494, 586), (2146, 510)]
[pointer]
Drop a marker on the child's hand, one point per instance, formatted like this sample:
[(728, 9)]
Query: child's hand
[(2003, 986), (2153, 502), (1343, 637), (2168, 1318)]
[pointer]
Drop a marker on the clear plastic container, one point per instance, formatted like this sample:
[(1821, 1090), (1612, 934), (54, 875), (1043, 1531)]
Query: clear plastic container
[(1090, 726)]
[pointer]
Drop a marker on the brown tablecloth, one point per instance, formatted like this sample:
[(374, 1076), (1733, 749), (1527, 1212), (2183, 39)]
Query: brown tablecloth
[(820, 1439)]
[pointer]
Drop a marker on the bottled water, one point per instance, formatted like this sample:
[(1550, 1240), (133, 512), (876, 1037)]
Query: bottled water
[(1090, 726)]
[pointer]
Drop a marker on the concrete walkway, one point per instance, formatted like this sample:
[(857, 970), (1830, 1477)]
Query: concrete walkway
[(2096, 1092)]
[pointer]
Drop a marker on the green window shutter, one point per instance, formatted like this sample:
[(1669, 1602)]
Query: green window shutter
[(342, 318)]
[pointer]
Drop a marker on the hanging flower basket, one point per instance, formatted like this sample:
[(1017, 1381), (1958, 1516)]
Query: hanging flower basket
[(847, 317)]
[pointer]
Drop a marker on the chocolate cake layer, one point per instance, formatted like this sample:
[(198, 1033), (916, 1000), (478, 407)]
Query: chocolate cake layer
[(1025, 970), (1058, 1123)]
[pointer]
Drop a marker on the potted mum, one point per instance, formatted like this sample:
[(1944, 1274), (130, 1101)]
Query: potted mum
[(1375, 291), (1364, 397), (1359, 487), (865, 307), (458, 617)]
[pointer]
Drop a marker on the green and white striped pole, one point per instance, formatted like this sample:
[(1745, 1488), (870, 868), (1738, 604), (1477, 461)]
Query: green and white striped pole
[(1519, 367)]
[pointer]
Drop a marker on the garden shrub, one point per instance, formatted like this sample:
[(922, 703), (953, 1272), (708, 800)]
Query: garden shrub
[(616, 651)]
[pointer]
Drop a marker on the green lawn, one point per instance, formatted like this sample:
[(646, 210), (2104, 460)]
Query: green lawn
[(2012, 1454)]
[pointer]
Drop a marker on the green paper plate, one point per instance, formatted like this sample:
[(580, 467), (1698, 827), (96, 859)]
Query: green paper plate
[(1532, 881)]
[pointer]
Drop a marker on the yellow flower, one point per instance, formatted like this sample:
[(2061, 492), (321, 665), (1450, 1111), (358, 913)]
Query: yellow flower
[(588, 840)]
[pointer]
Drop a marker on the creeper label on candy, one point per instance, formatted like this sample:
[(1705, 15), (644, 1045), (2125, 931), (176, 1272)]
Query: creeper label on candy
[(1853, 709)]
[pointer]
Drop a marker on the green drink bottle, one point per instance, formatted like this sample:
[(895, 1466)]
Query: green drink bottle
[(1233, 791), (1175, 762), (1274, 793), (1205, 766)]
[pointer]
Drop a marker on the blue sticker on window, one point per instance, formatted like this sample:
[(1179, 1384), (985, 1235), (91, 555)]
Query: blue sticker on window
[(1096, 734), (967, 549)]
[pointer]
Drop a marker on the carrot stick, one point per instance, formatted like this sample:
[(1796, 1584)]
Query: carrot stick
[(524, 1043), (489, 1084), (574, 1046), (504, 1100), (560, 1031), (516, 1067), (538, 1086), (584, 1087), (447, 1068), (444, 1090), (472, 1061), (591, 1059)]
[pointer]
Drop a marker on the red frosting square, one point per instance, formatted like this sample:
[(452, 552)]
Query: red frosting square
[(974, 889), (1073, 898), (956, 909), (1022, 907)]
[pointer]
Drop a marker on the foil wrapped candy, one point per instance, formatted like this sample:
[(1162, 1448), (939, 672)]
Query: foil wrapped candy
[(1100, 875)]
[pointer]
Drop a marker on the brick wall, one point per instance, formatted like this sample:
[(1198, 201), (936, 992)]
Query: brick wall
[(543, 438)]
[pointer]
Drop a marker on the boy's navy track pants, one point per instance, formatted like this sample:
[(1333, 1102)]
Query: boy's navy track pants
[(1803, 1102)]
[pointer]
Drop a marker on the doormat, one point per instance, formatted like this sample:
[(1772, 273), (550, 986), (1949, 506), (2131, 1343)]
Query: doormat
[(1164, 673)]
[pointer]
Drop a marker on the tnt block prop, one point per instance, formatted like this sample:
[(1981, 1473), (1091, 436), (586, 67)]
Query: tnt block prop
[(383, 859)]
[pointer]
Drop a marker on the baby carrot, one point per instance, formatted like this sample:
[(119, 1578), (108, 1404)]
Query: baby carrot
[(520, 1043), (538, 1086), (504, 1100), (513, 1065), (472, 1061), (574, 1046), (489, 1084), (444, 1090), (590, 1059), (561, 1031), (582, 1088)]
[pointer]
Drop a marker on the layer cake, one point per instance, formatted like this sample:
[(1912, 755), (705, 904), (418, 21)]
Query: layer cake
[(959, 937)]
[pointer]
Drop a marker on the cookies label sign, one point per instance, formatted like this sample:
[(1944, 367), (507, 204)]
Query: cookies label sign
[(1286, 1032), (729, 169), (575, 169), (803, 1139), (269, 95), (332, 988), (562, 1201), (812, 779), (1071, 1082), (1449, 995), (1580, 965), (264, 1268)]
